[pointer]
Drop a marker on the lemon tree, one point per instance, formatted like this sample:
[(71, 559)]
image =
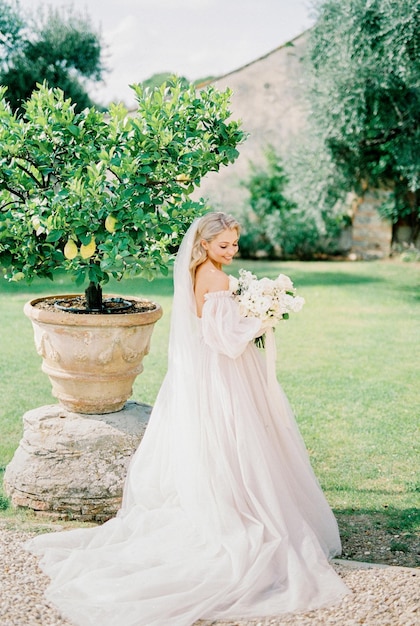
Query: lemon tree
[(103, 194)]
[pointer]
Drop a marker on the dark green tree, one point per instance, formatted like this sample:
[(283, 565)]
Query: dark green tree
[(11, 26), (272, 222), (59, 47), (364, 88), (157, 80)]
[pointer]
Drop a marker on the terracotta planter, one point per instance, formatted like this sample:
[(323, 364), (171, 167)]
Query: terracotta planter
[(92, 360)]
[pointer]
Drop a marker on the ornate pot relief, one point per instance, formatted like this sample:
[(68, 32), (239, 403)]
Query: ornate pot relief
[(92, 360)]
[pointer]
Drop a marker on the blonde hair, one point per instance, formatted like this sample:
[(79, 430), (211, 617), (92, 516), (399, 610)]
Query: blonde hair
[(209, 226)]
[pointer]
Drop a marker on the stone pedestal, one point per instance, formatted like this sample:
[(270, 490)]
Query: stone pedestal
[(73, 466)]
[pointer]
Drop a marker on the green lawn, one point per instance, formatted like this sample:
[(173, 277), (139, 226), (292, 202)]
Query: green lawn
[(349, 363)]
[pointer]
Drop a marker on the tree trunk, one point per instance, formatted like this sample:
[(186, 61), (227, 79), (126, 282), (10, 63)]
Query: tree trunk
[(93, 295)]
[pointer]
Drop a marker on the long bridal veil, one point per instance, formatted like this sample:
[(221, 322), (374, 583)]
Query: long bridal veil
[(177, 405)]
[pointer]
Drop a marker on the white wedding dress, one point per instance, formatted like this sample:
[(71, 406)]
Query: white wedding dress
[(222, 516)]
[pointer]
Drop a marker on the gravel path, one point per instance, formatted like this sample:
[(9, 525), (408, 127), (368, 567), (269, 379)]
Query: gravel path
[(382, 596)]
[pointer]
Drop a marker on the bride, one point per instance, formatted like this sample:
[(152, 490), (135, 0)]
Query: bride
[(222, 516)]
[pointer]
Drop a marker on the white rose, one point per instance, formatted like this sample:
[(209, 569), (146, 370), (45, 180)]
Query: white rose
[(284, 283), (262, 306), (233, 284), (297, 304), (246, 278)]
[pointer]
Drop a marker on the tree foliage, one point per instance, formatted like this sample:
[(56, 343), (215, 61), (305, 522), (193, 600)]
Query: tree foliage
[(59, 47), (102, 195), (273, 223), (364, 79), (157, 80)]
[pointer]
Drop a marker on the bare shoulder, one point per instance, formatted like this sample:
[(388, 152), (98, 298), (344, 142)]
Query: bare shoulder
[(208, 278)]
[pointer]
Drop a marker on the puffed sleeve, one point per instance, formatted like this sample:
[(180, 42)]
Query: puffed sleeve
[(224, 330)]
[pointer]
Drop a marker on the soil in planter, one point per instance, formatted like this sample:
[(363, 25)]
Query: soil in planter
[(112, 305)]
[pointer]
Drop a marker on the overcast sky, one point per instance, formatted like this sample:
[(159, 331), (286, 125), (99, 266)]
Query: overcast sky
[(191, 38)]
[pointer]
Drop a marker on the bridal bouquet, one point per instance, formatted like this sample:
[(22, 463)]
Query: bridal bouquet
[(270, 300)]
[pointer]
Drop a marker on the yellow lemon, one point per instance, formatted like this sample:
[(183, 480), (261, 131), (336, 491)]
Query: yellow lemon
[(87, 251), (70, 249), (35, 222), (18, 276), (182, 178), (110, 223)]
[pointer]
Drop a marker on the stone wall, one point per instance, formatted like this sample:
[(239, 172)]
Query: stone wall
[(267, 97), (371, 234)]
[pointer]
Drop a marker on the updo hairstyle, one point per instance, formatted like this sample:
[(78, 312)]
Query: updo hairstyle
[(209, 226)]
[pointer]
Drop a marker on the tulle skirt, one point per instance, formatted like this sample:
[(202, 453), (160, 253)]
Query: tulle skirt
[(222, 515)]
